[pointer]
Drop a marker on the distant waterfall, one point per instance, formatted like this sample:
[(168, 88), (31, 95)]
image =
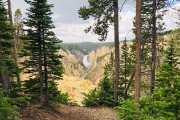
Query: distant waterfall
[(86, 62)]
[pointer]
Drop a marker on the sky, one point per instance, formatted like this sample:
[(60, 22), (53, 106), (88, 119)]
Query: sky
[(70, 28)]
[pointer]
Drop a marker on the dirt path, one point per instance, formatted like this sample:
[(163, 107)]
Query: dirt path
[(64, 112)]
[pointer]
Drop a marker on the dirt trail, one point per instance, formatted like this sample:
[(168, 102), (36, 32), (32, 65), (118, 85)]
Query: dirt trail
[(64, 112)]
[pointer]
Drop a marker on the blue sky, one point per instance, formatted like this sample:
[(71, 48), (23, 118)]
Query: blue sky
[(70, 28)]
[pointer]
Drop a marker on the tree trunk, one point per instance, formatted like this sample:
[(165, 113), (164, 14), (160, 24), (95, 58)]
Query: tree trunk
[(133, 73), (14, 51), (153, 67), (10, 12), (16, 43), (116, 44), (40, 75), (45, 72), (125, 69), (138, 51), (4, 77), (129, 83), (5, 80), (40, 67)]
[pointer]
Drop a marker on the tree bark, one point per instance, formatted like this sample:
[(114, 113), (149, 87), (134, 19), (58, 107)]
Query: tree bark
[(4, 76), (45, 72), (138, 51), (129, 83), (153, 65), (5, 80), (10, 12), (125, 68), (133, 73), (14, 51), (116, 44), (40, 65), (40, 73)]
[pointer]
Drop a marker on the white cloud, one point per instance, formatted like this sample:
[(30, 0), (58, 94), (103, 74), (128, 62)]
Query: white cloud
[(70, 28), (74, 33)]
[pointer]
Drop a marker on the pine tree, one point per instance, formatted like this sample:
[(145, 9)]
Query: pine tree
[(41, 49), (5, 47), (164, 102), (138, 51), (127, 65), (171, 63), (151, 23), (105, 13), (124, 56)]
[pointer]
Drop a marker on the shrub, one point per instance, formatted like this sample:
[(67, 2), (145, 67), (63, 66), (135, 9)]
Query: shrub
[(91, 98), (55, 96), (102, 95), (127, 110), (7, 111)]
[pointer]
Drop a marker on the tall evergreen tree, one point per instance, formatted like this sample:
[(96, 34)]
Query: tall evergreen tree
[(41, 49), (154, 39), (138, 51), (124, 55), (151, 17), (164, 102), (18, 26), (14, 53), (5, 47), (105, 13), (127, 65)]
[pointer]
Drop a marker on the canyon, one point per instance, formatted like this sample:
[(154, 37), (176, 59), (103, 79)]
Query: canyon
[(83, 70)]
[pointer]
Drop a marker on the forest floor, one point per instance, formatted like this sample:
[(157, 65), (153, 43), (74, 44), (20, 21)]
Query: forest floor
[(65, 112)]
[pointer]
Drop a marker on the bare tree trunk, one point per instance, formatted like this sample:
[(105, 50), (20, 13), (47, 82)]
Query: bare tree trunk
[(4, 76), (138, 51), (125, 68), (116, 44), (153, 67), (10, 12), (14, 51), (5, 80)]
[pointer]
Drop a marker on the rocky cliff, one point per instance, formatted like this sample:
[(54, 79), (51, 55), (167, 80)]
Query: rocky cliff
[(72, 62), (98, 58)]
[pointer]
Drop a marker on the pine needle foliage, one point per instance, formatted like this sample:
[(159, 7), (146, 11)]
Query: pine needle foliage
[(40, 47)]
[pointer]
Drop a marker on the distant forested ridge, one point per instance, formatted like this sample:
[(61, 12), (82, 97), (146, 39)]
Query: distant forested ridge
[(85, 47)]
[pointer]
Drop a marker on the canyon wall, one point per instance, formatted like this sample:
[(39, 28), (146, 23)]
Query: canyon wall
[(72, 63)]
